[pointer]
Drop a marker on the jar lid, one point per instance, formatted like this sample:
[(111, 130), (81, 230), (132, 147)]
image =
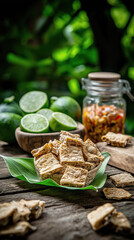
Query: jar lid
[(104, 76)]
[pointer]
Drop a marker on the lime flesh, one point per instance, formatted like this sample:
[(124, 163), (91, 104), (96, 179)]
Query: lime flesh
[(46, 113), (60, 121), (34, 123), (33, 101)]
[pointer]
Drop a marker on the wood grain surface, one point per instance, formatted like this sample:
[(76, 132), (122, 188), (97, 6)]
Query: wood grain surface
[(122, 158), (65, 214)]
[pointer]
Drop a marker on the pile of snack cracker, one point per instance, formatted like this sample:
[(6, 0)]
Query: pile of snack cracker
[(69, 161)]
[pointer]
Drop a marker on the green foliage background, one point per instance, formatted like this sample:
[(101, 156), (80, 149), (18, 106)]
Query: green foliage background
[(51, 45)]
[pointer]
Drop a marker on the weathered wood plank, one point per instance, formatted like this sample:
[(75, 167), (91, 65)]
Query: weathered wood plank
[(12, 185), (84, 198), (63, 220)]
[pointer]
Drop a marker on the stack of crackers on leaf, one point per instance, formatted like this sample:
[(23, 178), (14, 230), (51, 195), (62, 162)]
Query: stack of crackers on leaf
[(69, 161)]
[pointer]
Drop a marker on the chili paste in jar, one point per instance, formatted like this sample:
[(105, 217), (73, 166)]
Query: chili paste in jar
[(98, 120)]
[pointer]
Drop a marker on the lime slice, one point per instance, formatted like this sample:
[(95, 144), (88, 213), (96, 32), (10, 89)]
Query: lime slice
[(60, 121), (34, 123), (46, 113), (32, 101)]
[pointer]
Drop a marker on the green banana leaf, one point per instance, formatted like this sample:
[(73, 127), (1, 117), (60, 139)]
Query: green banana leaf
[(23, 168)]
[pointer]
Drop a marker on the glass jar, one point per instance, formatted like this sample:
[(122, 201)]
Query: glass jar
[(103, 107)]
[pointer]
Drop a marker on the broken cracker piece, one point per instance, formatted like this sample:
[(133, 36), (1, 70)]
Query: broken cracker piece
[(72, 141), (99, 217), (64, 135), (55, 147), (47, 164), (91, 152), (74, 177), (71, 155), (36, 207), (116, 139), (42, 150), (22, 213), (6, 212), (119, 222), (122, 180), (19, 229), (116, 193)]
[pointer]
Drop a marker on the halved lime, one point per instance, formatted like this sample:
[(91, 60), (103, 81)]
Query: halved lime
[(60, 121), (67, 105), (34, 123), (33, 101), (46, 113)]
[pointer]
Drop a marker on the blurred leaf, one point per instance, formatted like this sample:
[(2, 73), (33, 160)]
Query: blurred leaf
[(44, 62), (120, 16), (12, 58), (61, 54), (130, 29), (74, 86), (129, 126), (131, 72)]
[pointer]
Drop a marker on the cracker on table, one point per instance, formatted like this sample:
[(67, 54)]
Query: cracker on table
[(119, 221), (116, 193), (22, 213), (74, 177), (116, 139), (19, 229), (91, 152), (36, 207), (71, 155), (64, 135), (99, 217), (47, 164), (122, 180), (6, 212)]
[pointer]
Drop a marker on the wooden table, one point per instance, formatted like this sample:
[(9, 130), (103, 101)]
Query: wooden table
[(65, 214)]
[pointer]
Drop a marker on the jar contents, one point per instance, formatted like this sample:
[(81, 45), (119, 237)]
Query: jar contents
[(98, 120)]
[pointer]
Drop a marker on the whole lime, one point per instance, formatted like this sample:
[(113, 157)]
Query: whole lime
[(67, 105), (8, 123), (11, 108)]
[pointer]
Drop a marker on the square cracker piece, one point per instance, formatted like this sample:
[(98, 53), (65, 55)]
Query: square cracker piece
[(74, 177), (119, 221), (71, 155), (116, 139), (46, 165), (65, 134), (122, 180), (99, 217), (116, 193), (91, 152)]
